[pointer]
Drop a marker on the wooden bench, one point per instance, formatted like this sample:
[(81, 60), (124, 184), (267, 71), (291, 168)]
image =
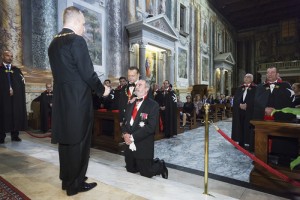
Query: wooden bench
[(259, 176), (107, 132)]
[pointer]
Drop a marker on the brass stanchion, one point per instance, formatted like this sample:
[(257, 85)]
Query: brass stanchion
[(206, 108)]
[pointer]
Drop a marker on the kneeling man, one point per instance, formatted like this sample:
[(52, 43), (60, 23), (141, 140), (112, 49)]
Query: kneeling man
[(141, 119)]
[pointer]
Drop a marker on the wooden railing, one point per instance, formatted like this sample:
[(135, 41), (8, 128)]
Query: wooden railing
[(280, 65)]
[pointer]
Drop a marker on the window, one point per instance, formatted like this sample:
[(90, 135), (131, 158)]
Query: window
[(182, 17), (289, 28)]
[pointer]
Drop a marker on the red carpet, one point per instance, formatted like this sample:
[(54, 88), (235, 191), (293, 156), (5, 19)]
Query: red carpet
[(8, 191)]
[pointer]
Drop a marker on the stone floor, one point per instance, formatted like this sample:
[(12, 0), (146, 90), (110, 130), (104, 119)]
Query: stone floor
[(32, 166), (187, 150)]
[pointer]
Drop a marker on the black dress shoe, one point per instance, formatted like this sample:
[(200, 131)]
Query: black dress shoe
[(16, 139), (165, 172), (84, 188), (64, 184)]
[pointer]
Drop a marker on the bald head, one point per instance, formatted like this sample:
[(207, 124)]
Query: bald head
[(73, 19), (7, 57)]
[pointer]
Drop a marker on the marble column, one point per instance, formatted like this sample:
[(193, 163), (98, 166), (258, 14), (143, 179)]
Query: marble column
[(229, 82), (222, 81), (114, 39), (44, 20), (131, 10), (171, 68), (142, 59), (11, 29)]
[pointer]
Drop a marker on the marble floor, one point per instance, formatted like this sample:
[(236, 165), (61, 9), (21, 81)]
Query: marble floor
[(32, 166), (187, 150)]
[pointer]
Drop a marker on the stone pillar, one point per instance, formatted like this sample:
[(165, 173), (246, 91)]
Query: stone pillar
[(171, 68), (222, 83), (44, 20), (114, 39), (131, 10), (142, 59), (229, 82), (11, 29)]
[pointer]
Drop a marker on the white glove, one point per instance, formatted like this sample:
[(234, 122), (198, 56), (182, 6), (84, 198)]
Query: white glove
[(132, 146)]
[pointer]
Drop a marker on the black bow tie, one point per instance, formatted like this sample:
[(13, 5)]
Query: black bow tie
[(131, 85), (139, 100)]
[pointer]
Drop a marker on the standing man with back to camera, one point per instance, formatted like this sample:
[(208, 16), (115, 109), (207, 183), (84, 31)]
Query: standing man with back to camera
[(74, 80)]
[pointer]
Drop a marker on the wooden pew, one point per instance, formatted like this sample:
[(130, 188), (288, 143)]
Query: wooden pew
[(179, 128), (107, 132), (260, 176)]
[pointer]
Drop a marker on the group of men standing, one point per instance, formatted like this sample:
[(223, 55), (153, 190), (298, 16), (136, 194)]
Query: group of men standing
[(256, 102)]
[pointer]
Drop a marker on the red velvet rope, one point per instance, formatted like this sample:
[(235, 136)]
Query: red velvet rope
[(260, 162), (38, 135)]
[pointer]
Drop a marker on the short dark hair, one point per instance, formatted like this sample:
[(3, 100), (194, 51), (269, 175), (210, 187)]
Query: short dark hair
[(277, 70), (107, 80), (122, 77), (134, 68)]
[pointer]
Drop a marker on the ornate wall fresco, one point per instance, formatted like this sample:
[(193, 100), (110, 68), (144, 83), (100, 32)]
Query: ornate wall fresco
[(10, 29)]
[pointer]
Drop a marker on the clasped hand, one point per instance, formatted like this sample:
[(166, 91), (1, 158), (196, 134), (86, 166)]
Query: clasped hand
[(127, 138)]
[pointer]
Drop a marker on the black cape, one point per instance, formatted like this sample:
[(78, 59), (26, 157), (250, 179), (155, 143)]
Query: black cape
[(169, 115), (45, 100), (13, 112), (281, 97), (239, 128)]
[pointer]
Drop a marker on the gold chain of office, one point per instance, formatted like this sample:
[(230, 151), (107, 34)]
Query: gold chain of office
[(63, 34)]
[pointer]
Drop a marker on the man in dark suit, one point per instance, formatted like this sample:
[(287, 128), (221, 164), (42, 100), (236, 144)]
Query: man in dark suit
[(276, 94), (167, 100), (45, 100), (127, 92), (13, 113), (273, 94), (72, 121), (141, 119), (243, 103)]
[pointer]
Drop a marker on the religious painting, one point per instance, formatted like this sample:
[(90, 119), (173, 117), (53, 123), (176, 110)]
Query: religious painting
[(182, 63), (151, 65), (93, 35), (205, 70)]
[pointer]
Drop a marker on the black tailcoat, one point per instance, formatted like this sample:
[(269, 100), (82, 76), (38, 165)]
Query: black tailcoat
[(74, 80)]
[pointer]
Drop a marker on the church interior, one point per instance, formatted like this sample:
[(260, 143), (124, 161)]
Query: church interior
[(202, 47)]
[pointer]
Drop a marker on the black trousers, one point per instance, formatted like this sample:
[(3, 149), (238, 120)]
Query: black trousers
[(74, 159), (13, 134), (146, 167)]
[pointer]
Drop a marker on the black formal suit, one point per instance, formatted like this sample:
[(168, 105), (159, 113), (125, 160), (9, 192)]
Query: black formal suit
[(241, 127), (72, 113), (142, 130), (45, 100), (280, 98), (13, 112), (168, 99), (124, 96)]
